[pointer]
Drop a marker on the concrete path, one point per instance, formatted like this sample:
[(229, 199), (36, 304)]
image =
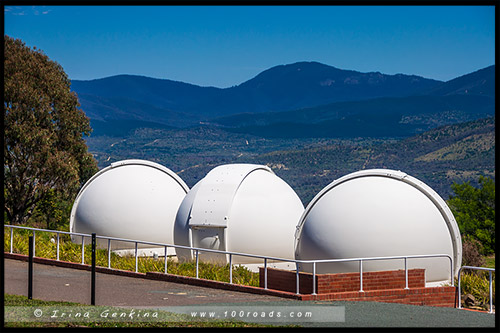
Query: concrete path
[(73, 285)]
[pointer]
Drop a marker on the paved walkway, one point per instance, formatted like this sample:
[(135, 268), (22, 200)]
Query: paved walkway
[(73, 285)]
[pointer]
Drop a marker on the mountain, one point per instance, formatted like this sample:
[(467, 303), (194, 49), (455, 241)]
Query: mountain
[(306, 84), (158, 93), (466, 98), (281, 88), (112, 109), (481, 82), (382, 117), (304, 99)]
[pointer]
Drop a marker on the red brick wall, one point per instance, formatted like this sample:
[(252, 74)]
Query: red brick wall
[(432, 296), (341, 282), (383, 286)]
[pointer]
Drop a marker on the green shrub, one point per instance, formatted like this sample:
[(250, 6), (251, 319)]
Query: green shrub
[(474, 211), (477, 284)]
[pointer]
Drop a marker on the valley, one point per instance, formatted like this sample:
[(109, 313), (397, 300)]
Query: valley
[(311, 123), (439, 157)]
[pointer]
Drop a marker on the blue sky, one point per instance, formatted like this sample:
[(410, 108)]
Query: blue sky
[(223, 46)]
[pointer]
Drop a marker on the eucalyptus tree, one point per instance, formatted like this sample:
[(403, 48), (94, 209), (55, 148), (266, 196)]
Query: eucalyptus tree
[(44, 147)]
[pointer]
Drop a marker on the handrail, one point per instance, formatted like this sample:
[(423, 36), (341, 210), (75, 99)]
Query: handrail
[(197, 251), (490, 270)]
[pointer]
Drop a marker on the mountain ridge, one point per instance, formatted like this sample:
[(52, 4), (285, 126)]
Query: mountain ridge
[(466, 98), (288, 97), (302, 84), (480, 82), (451, 153), (389, 117)]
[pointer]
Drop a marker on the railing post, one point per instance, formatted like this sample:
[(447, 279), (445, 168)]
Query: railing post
[(165, 260), (459, 289), (297, 277), (92, 279), (314, 278), (34, 242), (265, 273), (136, 259), (452, 272), (361, 275), (491, 293), (83, 249), (197, 263), (109, 253), (230, 268), (406, 273), (31, 247), (57, 247), (11, 238)]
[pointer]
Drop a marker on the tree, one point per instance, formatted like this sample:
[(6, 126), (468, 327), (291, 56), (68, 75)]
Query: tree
[(44, 149), (52, 211), (474, 211)]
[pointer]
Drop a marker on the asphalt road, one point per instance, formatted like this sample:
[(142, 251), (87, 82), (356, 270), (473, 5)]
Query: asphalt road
[(66, 284)]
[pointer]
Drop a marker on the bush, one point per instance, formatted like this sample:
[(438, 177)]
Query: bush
[(471, 255), (474, 211), (477, 285)]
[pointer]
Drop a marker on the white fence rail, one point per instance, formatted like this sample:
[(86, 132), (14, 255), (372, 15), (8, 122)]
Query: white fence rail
[(197, 252)]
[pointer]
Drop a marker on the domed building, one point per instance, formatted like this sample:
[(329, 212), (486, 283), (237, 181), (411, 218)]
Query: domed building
[(132, 199), (241, 208), (378, 213)]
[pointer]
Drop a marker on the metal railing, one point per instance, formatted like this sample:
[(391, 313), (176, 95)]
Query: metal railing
[(490, 270), (197, 252), (361, 260)]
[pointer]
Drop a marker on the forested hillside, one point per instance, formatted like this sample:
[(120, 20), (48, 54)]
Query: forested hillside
[(454, 153)]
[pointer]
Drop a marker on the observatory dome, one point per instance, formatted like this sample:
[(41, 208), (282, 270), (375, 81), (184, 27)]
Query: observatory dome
[(241, 208), (132, 199), (378, 213)]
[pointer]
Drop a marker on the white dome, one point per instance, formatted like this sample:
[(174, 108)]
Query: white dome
[(376, 213), (133, 199), (242, 208)]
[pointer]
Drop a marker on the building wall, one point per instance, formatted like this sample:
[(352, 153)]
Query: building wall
[(382, 286)]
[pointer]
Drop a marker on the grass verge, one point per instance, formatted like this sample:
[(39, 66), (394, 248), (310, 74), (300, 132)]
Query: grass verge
[(18, 307)]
